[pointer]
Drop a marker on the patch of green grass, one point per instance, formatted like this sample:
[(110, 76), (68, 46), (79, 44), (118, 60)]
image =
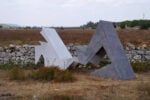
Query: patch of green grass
[(24, 66), (7, 66)]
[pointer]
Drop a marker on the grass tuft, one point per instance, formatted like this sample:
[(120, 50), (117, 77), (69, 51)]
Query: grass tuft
[(46, 73), (17, 74), (64, 76), (43, 73), (140, 66)]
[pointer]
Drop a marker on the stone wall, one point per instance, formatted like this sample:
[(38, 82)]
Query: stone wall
[(17, 54), (138, 55), (25, 54), (132, 54)]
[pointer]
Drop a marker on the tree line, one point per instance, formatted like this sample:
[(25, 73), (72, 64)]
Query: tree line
[(142, 24)]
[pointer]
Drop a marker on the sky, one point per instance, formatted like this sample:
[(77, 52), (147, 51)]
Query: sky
[(71, 12)]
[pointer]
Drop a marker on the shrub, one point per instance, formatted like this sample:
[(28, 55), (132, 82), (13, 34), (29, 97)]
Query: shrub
[(30, 66), (24, 66), (104, 63), (53, 73), (45, 73), (7, 66), (140, 66), (64, 76), (89, 65), (17, 74)]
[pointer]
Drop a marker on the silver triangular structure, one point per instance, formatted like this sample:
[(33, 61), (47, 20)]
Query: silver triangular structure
[(106, 41), (53, 51)]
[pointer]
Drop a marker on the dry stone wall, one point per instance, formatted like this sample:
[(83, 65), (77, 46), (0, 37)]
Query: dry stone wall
[(133, 55), (26, 54), (138, 55), (17, 55)]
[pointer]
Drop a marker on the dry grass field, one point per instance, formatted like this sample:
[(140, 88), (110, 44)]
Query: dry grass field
[(85, 88), (75, 36)]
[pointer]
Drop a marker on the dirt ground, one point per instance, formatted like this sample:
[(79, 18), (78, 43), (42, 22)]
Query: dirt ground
[(85, 88)]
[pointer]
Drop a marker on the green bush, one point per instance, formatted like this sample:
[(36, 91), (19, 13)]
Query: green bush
[(143, 24), (17, 74), (140, 66)]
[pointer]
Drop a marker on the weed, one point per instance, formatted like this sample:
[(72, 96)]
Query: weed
[(30, 66), (104, 63), (6, 66), (53, 73), (17, 74), (140, 66), (45, 73), (64, 76)]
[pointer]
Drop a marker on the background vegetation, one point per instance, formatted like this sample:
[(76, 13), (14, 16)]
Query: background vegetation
[(142, 24)]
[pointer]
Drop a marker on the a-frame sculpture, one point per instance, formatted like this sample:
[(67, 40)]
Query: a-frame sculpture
[(53, 51), (106, 41)]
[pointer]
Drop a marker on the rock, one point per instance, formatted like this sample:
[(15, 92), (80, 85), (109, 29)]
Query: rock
[(1, 49), (22, 58), (147, 52), (5, 94), (18, 54), (137, 57), (133, 52), (141, 52), (12, 46), (131, 46), (129, 56), (147, 57), (127, 48), (35, 97), (25, 45)]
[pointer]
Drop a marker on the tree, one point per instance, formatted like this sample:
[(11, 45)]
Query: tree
[(27, 27), (1, 26)]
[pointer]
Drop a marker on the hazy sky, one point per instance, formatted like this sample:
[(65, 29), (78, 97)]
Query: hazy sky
[(71, 12)]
